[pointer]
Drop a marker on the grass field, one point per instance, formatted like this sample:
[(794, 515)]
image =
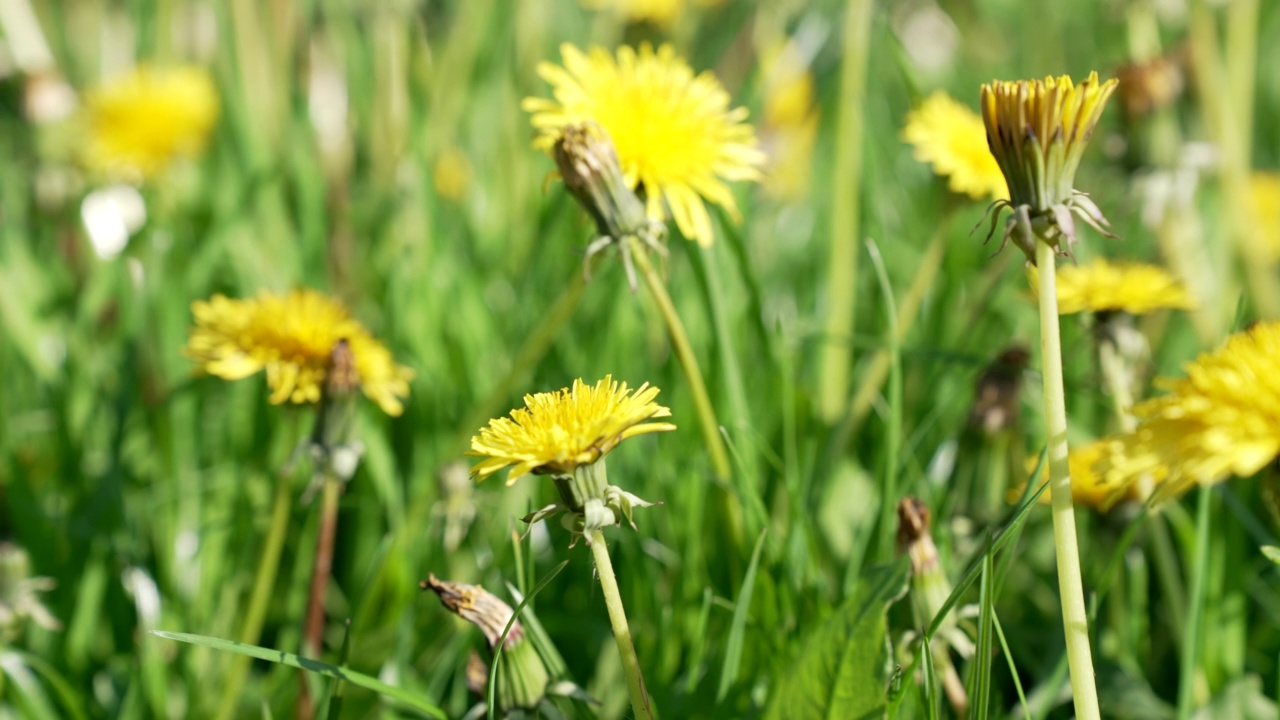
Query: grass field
[(378, 152)]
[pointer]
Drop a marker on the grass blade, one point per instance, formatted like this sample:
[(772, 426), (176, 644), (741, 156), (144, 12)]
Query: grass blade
[(733, 648), (315, 666)]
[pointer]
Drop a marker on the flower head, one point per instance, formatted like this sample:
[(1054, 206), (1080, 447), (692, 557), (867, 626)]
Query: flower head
[(556, 432), (951, 138), (1037, 131), (1088, 487), (789, 119), (1223, 419), (676, 137), (143, 120), (1101, 286), (292, 337), (1265, 188), (659, 12)]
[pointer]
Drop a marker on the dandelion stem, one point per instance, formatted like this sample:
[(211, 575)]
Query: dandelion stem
[(1191, 636), (1075, 619), (621, 631), (322, 570), (260, 596), (689, 364)]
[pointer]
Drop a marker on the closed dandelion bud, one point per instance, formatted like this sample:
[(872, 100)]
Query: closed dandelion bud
[(1037, 131), (589, 167), (335, 427), (930, 589), (995, 395), (522, 677)]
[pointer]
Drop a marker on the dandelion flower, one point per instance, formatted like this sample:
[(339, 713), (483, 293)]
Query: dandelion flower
[(1223, 419), (1088, 486), (676, 137), (142, 121), (1101, 286), (789, 122), (658, 12), (1265, 188), (556, 432), (951, 138), (1037, 131), (292, 338)]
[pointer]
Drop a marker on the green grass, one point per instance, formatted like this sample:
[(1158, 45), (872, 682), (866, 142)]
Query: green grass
[(145, 491)]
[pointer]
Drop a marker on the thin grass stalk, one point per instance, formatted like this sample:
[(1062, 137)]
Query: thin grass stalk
[(1075, 619), (1195, 613), (531, 352), (322, 571), (693, 375), (621, 630), (842, 268), (260, 597), (893, 431)]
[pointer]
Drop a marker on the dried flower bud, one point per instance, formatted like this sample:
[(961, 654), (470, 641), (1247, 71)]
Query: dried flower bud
[(589, 167), (995, 395), (522, 677), (19, 594), (335, 425)]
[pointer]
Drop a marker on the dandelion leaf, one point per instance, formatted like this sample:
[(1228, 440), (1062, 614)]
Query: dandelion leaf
[(843, 669)]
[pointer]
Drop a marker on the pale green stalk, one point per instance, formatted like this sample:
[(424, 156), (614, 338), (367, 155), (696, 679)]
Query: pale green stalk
[(693, 374), (1113, 372), (1195, 615), (260, 597), (1075, 620), (842, 268), (621, 631)]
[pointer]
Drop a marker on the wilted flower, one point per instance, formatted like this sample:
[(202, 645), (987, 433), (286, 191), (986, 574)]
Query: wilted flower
[(995, 395), (677, 139), (951, 138), (1221, 420), (1101, 286), (1037, 131), (143, 120), (292, 337)]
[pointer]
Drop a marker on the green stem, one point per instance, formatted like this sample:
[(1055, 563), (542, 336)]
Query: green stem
[(688, 361), (260, 597), (322, 570), (842, 269), (1195, 614), (1113, 372), (1075, 619), (621, 631)]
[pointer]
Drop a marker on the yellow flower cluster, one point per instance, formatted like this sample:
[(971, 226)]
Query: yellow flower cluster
[(556, 432), (291, 337), (143, 120), (1103, 286), (676, 137), (1223, 419)]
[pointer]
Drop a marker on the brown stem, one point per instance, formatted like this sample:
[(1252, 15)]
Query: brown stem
[(313, 630)]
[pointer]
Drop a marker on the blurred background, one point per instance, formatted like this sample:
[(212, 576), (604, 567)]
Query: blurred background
[(376, 151)]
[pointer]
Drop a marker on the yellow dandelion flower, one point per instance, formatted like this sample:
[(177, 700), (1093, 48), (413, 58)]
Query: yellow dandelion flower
[(452, 174), (556, 432), (658, 12), (1223, 419), (292, 336), (143, 120), (1103, 286), (676, 137), (951, 138), (1087, 484), (1037, 131), (1265, 188), (789, 121)]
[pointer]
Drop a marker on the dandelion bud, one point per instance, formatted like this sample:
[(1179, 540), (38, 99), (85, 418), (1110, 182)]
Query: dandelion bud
[(523, 677), (1037, 131), (335, 426), (589, 166), (930, 589), (995, 395)]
